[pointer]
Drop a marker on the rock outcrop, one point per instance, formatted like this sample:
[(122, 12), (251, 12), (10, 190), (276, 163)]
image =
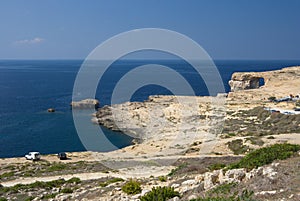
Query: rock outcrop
[(165, 117), (51, 110), (242, 81), (247, 90), (85, 104), (254, 80)]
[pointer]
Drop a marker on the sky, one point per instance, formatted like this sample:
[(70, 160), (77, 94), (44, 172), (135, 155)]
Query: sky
[(226, 29)]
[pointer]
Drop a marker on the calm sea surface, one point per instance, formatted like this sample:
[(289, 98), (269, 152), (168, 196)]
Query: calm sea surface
[(29, 88)]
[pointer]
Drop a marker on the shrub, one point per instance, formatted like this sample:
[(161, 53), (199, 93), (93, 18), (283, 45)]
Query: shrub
[(175, 170), (29, 198), (216, 166), (266, 155), (6, 175), (237, 146), (272, 98), (3, 199), (132, 187), (245, 196), (37, 184), (160, 194), (162, 178), (75, 180), (214, 199), (223, 188), (49, 196), (66, 190), (255, 141)]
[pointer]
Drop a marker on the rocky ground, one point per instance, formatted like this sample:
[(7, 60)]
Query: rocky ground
[(191, 177)]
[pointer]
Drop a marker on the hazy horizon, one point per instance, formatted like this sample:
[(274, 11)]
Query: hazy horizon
[(233, 30)]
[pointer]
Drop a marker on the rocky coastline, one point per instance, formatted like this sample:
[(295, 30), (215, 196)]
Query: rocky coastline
[(194, 145)]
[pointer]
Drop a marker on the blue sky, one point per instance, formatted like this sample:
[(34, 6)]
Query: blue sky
[(226, 29)]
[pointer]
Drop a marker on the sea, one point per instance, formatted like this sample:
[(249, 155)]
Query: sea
[(29, 87)]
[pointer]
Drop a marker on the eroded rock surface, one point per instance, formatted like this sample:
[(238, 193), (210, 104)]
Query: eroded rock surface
[(165, 117), (86, 103)]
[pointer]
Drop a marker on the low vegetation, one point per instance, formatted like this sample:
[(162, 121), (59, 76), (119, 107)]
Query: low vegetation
[(175, 170), (266, 155), (38, 185), (132, 187), (245, 196), (255, 140), (45, 168), (223, 189), (111, 181), (66, 190), (237, 147), (260, 122), (226, 192), (216, 166), (160, 194), (162, 178), (56, 167)]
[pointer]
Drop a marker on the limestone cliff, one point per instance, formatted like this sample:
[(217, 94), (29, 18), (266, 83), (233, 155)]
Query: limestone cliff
[(251, 80), (278, 83)]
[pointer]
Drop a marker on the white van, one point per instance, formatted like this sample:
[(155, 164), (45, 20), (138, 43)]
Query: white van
[(33, 156)]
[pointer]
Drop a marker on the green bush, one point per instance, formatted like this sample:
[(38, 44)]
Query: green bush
[(7, 175), (75, 180), (29, 198), (266, 155), (3, 199), (175, 170), (66, 190), (216, 166), (214, 199), (223, 188), (245, 196), (35, 185), (132, 187), (160, 194), (49, 196), (162, 178)]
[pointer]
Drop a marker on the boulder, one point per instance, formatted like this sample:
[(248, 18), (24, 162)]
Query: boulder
[(51, 110), (85, 104), (211, 179)]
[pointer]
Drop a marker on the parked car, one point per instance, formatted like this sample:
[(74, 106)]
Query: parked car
[(62, 156), (34, 155)]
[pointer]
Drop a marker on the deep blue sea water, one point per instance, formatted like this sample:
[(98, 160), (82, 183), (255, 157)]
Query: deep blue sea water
[(28, 88)]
